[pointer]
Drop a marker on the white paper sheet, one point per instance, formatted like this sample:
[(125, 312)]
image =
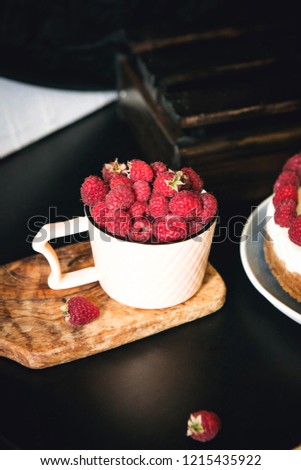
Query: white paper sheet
[(29, 112)]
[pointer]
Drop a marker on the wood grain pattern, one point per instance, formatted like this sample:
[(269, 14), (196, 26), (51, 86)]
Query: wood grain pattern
[(240, 160), (226, 102), (224, 75), (34, 331)]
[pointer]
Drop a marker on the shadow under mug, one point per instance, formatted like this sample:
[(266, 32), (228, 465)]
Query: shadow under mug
[(140, 275)]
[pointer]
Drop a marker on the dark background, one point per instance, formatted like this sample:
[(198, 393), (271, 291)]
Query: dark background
[(73, 43), (242, 362)]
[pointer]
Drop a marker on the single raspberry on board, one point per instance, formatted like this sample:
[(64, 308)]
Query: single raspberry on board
[(169, 183), (158, 206), (203, 425), (140, 170), (120, 197), (170, 228), (142, 190), (109, 170), (119, 179), (158, 167), (294, 232), (285, 192), (285, 212), (286, 178), (185, 204), (93, 190), (80, 311), (195, 182)]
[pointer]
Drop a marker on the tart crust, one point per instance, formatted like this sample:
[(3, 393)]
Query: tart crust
[(289, 281)]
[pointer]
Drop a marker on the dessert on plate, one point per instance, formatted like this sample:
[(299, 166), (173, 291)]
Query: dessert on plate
[(282, 246)]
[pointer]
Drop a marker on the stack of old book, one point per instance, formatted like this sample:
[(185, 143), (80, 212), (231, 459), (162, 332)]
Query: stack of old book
[(225, 101)]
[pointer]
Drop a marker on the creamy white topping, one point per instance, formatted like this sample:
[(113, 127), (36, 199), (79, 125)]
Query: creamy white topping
[(285, 249)]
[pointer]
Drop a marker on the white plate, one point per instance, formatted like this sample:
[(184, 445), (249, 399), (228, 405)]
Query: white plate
[(256, 268)]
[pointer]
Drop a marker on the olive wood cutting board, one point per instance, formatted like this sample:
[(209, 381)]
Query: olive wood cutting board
[(33, 330)]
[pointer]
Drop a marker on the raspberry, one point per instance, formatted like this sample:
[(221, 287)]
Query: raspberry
[(208, 209), (195, 181), (111, 169), (80, 311), (168, 184), (119, 179), (118, 223), (142, 190), (285, 178), (170, 228), (141, 230), (93, 190), (194, 226), (285, 212), (203, 425), (294, 164), (158, 167), (99, 212), (146, 202), (158, 206), (294, 232), (120, 197), (138, 209), (185, 204), (140, 170), (285, 192)]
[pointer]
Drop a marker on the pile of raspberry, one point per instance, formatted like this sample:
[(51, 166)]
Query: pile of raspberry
[(148, 203), (285, 199)]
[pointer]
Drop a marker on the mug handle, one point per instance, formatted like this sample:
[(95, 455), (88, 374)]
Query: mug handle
[(56, 279)]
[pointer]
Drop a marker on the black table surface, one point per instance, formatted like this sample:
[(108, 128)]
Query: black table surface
[(243, 362)]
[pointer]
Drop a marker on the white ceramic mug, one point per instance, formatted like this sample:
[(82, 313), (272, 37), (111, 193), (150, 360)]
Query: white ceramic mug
[(136, 274)]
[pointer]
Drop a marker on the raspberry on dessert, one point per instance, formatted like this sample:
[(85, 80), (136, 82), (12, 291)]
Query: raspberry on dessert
[(285, 192), (185, 204), (138, 209), (294, 164), (294, 231), (141, 230), (119, 179), (158, 167), (195, 182), (170, 228), (109, 170), (285, 212), (93, 190), (158, 206), (80, 311), (169, 183), (99, 212), (142, 190), (120, 197), (208, 209), (140, 170), (285, 178), (203, 425), (118, 222)]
